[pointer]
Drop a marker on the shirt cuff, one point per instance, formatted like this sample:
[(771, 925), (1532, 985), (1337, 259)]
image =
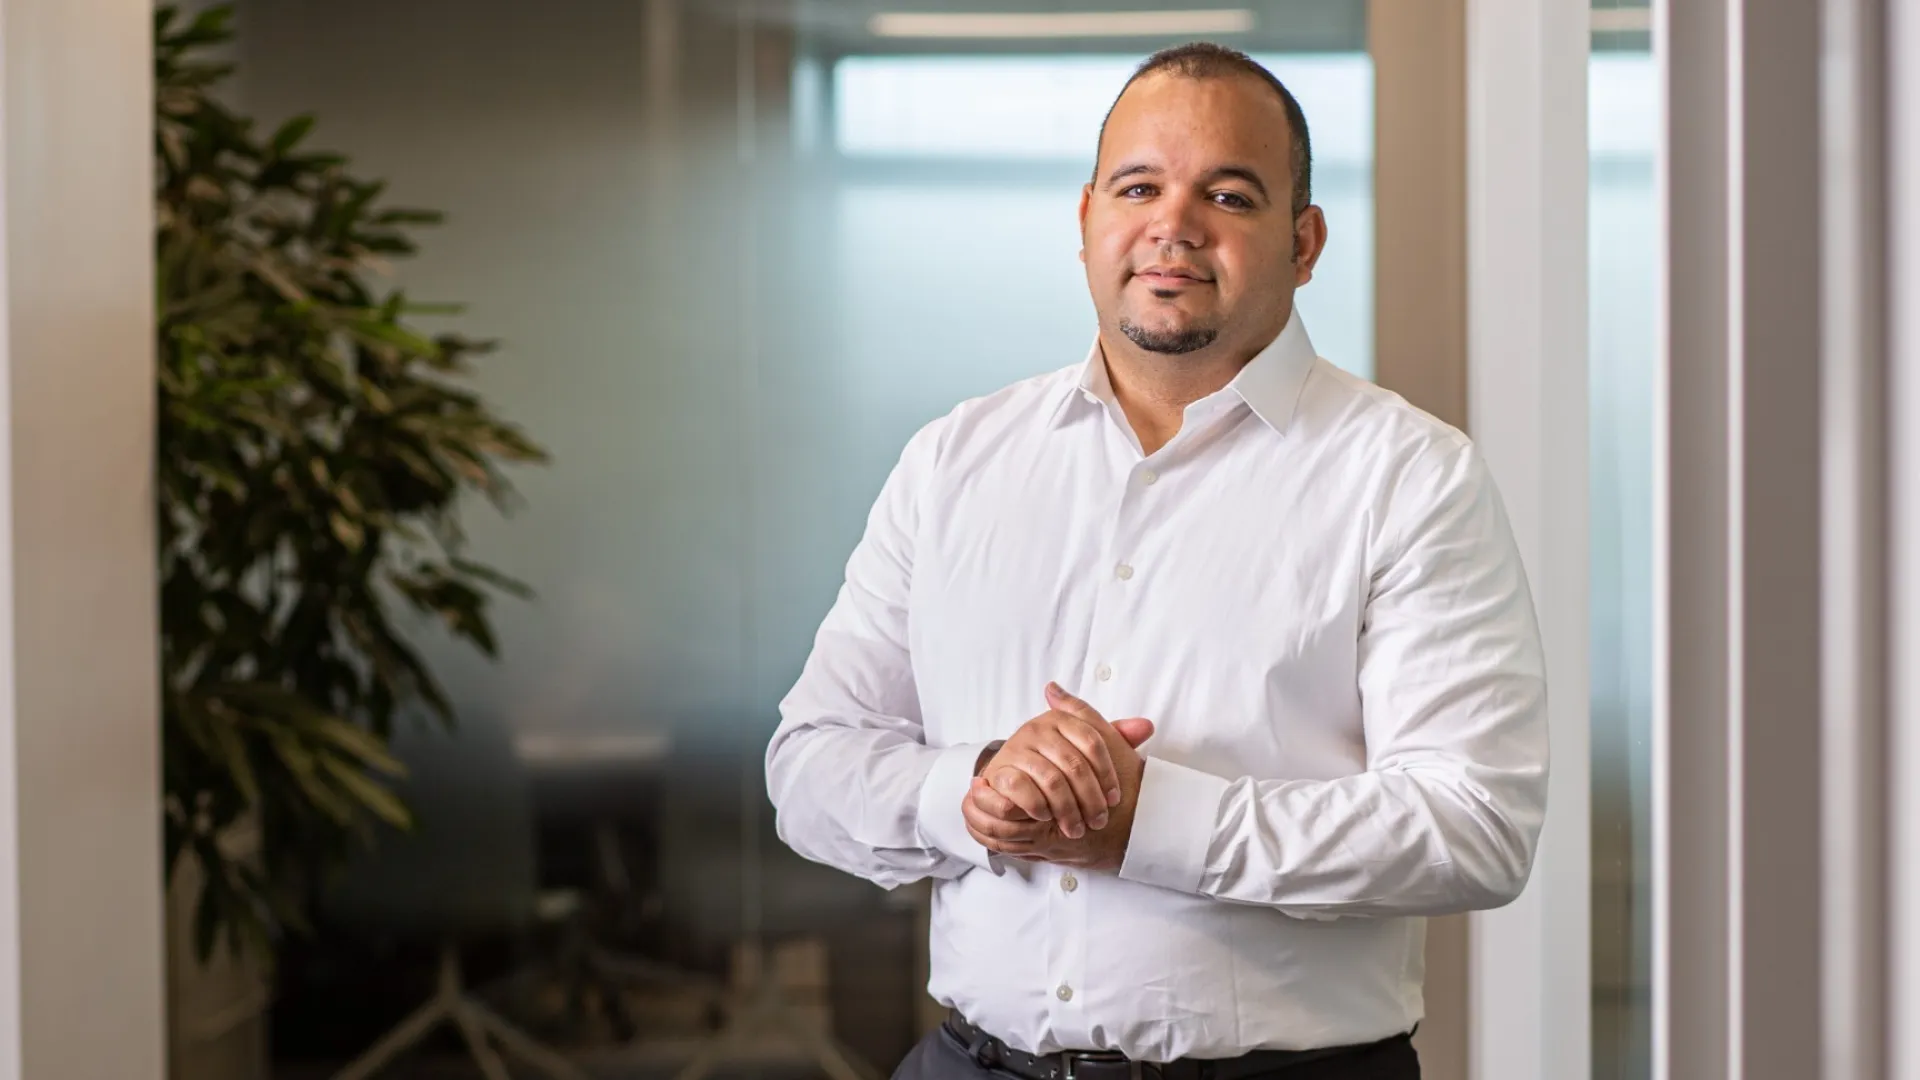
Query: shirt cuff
[(941, 822), (1173, 825)]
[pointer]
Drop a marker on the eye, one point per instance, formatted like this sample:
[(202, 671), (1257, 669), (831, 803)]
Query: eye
[(1137, 191), (1233, 200)]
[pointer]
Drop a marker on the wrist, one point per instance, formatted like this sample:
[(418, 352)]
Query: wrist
[(986, 755)]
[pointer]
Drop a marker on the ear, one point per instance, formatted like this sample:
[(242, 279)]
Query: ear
[(1309, 240), (1086, 200)]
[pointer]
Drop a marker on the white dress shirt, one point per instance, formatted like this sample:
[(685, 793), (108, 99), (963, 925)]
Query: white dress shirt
[(1312, 591)]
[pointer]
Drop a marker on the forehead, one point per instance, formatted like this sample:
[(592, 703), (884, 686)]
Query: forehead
[(1182, 123)]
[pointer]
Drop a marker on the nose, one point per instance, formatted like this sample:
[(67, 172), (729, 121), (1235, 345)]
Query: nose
[(1176, 220)]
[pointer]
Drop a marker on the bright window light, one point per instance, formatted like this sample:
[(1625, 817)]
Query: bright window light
[(1623, 89), (1049, 108), (1084, 24)]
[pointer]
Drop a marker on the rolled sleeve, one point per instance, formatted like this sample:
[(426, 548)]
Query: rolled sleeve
[(1173, 826), (941, 823)]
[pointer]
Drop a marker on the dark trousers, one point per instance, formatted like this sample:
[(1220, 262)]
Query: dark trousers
[(941, 1056)]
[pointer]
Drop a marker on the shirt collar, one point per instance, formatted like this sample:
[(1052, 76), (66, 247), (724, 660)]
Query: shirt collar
[(1270, 384)]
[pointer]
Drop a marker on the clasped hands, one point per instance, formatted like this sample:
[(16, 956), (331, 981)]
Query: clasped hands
[(1062, 789)]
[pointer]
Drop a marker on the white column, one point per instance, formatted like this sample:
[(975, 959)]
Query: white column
[(81, 975), (1527, 410)]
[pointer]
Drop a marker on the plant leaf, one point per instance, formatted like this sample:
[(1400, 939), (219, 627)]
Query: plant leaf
[(289, 135), (510, 586), (383, 803), (313, 446), (234, 751)]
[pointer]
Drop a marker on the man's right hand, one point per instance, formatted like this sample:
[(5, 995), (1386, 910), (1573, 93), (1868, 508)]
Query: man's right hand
[(1057, 768)]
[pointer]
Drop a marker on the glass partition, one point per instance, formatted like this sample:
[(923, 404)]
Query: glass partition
[(1623, 129), (733, 256)]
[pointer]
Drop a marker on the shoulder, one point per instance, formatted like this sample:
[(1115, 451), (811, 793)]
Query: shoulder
[(1375, 421), (1405, 464), (992, 419)]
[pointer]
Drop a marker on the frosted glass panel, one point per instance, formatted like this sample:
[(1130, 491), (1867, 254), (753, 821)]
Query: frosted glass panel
[(732, 263), (1623, 123), (920, 315)]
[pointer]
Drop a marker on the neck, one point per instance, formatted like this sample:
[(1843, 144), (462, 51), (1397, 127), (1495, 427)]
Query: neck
[(1154, 389)]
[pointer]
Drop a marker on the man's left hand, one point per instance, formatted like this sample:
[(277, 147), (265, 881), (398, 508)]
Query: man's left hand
[(1002, 826)]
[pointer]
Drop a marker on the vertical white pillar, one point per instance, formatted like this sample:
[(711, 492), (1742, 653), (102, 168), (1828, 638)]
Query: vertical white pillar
[(81, 972), (1527, 410)]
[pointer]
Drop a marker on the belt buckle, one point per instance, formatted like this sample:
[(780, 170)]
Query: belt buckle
[(1136, 1070)]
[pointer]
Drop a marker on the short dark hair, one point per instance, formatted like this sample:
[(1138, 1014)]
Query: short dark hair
[(1205, 60)]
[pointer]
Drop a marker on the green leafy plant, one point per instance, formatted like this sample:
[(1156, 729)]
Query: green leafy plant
[(313, 449)]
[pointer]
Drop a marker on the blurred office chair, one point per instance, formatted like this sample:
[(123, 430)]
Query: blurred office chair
[(760, 1003), (593, 791), (465, 872)]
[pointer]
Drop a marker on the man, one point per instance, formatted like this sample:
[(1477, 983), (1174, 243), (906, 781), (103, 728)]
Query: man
[(1301, 594)]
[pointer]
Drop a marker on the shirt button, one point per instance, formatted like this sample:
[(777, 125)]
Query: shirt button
[(1123, 572), (1103, 673), (1065, 993), (1069, 883), (1149, 477)]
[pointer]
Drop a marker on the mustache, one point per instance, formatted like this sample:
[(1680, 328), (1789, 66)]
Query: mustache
[(1180, 268)]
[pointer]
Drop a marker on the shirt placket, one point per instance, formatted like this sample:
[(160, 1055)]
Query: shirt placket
[(1071, 951)]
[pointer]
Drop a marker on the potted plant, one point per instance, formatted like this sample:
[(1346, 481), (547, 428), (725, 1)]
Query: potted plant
[(314, 450)]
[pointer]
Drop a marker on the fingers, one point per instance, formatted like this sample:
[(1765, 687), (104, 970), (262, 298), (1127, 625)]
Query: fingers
[(1134, 731), (1033, 779), (1064, 776), (1016, 785), (1019, 849), (1048, 775), (1027, 840), (1105, 788), (1080, 754), (1061, 766), (1061, 701), (996, 804), (996, 831)]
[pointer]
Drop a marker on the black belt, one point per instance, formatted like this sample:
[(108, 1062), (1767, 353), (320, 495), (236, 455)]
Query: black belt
[(991, 1053)]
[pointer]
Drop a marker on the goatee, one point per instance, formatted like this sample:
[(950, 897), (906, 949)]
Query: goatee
[(1169, 342)]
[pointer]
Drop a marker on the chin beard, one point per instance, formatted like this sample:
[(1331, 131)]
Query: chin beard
[(1170, 342)]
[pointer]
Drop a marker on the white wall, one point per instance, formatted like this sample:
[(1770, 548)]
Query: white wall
[(80, 915)]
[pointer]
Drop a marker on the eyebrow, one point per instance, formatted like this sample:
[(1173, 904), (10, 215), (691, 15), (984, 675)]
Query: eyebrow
[(1241, 172), (1235, 172), (1138, 168)]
